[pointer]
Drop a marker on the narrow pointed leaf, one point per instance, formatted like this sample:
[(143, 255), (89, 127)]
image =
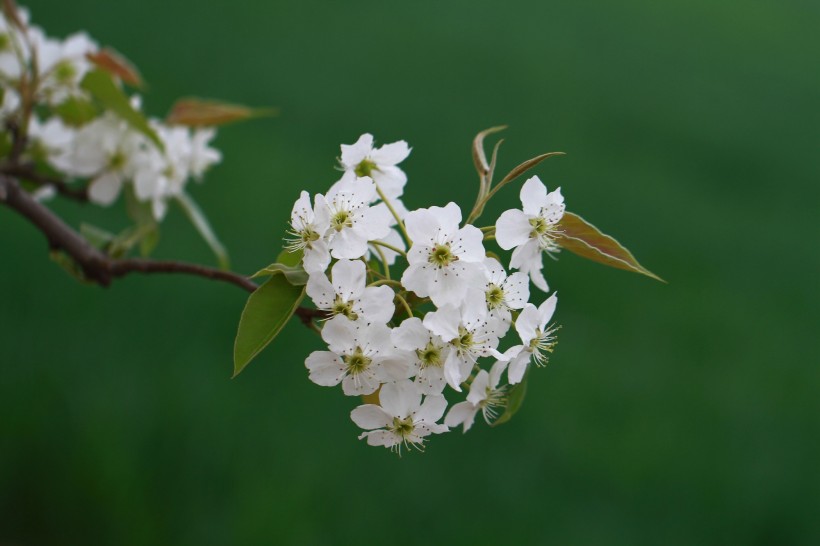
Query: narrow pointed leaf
[(515, 398), (99, 83), (268, 309), (525, 166), (201, 112), (116, 64), (582, 238), (479, 157), (200, 222)]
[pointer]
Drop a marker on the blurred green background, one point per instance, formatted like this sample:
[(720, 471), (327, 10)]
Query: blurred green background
[(672, 414)]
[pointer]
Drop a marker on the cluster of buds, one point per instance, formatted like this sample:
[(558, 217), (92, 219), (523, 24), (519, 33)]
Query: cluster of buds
[(64, 100), (414, 306)]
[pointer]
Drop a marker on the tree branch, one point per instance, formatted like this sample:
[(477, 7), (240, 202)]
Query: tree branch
[(27, 172), (95, 264)]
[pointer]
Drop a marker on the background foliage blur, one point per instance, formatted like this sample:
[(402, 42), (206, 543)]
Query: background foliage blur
[(679, 414)]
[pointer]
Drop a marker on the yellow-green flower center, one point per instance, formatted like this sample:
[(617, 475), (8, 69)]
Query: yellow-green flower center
[(495, 296), (539, 226), (64, 72), (430, 356), (356, 362), (341, 220), (402, 427), (365, 168), (342, 307), (464, 341), (442, 256)]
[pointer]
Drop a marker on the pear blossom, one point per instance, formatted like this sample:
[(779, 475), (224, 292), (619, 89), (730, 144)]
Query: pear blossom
[(538, 338), (429, 353), (379, 164), (161, 175), (347, 294), (401, 419), (361, 357), (470, 337), (532, 230), (485, 395), (352, 221), (107, 150), (307, 233), (445, 260), (500, 293), (62, 64), (50, 140)]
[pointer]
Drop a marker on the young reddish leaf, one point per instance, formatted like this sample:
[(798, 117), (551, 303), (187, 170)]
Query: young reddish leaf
[(200, 112), (479, 158), (114, 63), (525, 166), (579, 236)]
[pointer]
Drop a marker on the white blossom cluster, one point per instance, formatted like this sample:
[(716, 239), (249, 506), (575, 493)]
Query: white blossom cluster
[(106, 150), (403, 340)]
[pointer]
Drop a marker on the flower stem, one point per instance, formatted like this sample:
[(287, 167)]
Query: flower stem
[(395, 249), (391, 282), (405, 305), (395, 214)]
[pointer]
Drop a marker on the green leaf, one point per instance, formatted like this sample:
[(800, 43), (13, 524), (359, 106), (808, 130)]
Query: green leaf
[(195, 112), (515, 398), (268, 310), (582, 238), (76, 112), (294, 274), (200, 222), (290, 258), (111, 96)]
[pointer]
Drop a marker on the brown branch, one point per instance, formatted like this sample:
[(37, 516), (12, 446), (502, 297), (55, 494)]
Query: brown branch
[(95, 264), (27, 172)]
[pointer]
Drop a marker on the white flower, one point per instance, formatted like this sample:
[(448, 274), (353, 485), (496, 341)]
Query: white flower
[(444, 260), (428, 354), (50, 140), (500, 292), (401, 419), (363, 160), (531, 230), (307, 234), (538, 339), (470, 337), (347, 294), (104, 149), (161, 175), (202, 156), (14, 51), (361, 357), (485, 395), (352, 221), (62, 64)]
